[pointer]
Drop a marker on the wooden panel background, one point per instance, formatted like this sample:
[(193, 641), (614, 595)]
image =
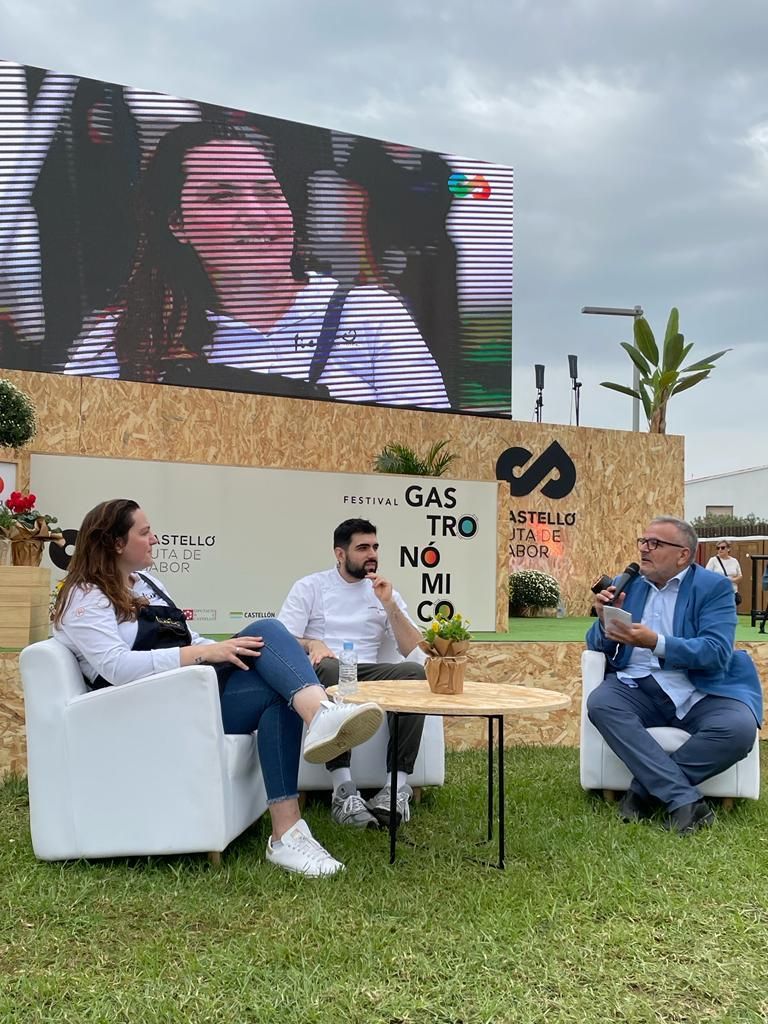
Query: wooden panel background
[(623, 478), (554, 666), (742, 550)]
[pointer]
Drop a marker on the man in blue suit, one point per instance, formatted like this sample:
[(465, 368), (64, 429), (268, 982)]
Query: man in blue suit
[(675, 664)]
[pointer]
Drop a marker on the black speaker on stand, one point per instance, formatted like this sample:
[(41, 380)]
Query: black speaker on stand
[(575, 384), (539, 369)]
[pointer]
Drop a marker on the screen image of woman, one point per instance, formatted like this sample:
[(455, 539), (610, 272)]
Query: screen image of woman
[(219, 280)]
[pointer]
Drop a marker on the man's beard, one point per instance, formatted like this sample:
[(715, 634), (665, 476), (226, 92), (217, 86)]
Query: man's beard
[(359, 572)]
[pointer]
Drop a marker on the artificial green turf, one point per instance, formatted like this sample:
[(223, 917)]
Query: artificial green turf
[(570, 629), (593, 920), (550, 628)]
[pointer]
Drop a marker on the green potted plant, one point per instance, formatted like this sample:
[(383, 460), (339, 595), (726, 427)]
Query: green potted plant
[(399, 458), (25, 528), (530, 590), (17, 416), (662, 373), (446, 641)]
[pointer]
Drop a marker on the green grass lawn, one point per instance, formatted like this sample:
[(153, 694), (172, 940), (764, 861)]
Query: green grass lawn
[(592, 921)]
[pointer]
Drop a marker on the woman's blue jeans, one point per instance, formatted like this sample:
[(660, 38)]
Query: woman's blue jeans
[(260, 698)]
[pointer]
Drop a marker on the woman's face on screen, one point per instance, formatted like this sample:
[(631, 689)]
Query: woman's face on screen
[(232, 210)]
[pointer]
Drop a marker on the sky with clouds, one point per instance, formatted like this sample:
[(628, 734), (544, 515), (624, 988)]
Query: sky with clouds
[(638, 134)]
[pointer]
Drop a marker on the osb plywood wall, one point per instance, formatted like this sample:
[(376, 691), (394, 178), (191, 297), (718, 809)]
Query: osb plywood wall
[(622, 479), (549, 665), (13, 751)]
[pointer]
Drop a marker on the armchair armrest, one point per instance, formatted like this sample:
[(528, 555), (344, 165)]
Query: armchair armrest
[(592, 673), (591, 744), (180, 696)]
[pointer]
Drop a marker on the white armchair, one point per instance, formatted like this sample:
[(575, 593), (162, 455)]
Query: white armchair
[(601, 769), (141, 769), (370, 758), (146, 768)]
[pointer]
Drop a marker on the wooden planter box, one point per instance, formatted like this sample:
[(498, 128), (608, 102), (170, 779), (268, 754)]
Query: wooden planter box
[(25, 597)]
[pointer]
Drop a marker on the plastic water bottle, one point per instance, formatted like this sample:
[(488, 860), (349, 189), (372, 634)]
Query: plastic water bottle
[(347, 670), (560, 609)]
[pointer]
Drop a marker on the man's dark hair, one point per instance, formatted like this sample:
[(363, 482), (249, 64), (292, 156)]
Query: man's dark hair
[(342, 535)]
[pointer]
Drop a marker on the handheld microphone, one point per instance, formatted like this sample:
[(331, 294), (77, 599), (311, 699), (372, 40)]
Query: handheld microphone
[(601, 583), (625, 579)]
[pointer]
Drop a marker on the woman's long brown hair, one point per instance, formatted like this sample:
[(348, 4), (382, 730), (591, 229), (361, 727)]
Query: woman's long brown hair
[(168, 293), (94, 561)]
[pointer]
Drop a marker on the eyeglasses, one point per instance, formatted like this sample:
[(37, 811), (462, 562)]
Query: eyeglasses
[(722, 547), (653, 542)]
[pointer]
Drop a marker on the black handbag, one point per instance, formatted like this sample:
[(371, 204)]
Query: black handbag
[(736, 594)]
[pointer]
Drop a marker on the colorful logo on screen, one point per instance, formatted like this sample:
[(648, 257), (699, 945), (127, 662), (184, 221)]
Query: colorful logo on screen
[(462, 185)]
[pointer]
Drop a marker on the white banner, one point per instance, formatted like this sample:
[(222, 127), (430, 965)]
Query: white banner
[(7, 480), (233, 540)]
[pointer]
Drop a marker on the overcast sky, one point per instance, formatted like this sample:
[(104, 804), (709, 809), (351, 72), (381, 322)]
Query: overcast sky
[(638, 134)]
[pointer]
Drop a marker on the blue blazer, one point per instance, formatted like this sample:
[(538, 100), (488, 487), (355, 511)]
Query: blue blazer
[(702, 644)]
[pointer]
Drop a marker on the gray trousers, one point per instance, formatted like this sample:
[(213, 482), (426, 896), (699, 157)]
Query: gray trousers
[(410, 726), (722, 732)]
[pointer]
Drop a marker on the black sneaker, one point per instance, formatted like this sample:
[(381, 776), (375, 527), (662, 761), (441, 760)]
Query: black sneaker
[(635, 808), (690, 818)]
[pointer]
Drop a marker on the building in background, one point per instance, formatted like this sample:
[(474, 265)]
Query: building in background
[(743, 492)]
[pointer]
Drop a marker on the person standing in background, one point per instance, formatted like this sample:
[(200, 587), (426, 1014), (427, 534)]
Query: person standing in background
[(723, 562)]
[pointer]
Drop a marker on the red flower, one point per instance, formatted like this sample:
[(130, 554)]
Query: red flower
[(19, 503)]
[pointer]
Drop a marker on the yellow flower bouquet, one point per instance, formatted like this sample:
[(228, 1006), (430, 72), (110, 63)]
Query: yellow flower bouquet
[(446, 641)]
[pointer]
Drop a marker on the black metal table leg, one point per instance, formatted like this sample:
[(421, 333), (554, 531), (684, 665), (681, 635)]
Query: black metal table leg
[(501, 792), (490, 779), (491, 787), (393, 787)]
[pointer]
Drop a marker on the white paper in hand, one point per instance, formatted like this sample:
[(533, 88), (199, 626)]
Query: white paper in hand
[(611, 615)]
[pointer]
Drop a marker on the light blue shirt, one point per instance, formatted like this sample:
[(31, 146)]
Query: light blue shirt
[(658, 615)]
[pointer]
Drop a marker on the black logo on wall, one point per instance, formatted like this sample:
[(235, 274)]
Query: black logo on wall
[(554, 459), (62, 556)]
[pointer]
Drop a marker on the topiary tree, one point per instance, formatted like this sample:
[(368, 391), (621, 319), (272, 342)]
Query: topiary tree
[(17, 416), (662, 374), (531, 588)]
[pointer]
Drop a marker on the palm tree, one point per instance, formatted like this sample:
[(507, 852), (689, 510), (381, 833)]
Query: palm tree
[(662, 374), (399, 458)]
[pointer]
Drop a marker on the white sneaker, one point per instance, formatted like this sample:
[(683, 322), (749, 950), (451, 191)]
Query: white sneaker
[(339, 727), (300, 853)]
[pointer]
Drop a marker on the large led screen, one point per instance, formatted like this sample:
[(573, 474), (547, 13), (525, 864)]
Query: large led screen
[(155, 239)]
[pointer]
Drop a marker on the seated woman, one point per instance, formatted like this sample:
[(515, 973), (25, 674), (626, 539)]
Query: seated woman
[(121, 626)]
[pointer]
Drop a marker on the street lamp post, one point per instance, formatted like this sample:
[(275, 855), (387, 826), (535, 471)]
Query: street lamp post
[(635, 312)]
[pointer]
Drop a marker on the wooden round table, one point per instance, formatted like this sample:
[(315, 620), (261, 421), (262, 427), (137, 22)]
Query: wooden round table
[(484, 700)]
